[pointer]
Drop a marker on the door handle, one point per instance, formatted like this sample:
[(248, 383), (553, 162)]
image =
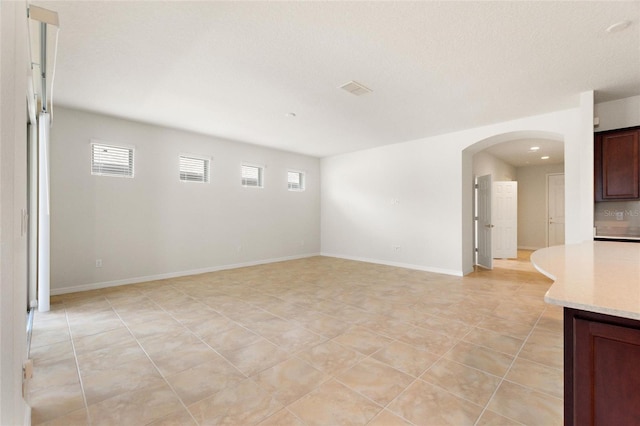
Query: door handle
[(489, 226)]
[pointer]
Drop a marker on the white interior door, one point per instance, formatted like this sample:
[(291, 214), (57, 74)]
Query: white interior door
[(483, 222), (555, 194), (505, 219)]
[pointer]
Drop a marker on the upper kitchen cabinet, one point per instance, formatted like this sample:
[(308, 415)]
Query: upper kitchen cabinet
[(617, 165)]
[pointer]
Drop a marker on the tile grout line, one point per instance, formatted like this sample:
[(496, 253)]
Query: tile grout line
[(510, 367), (331, 376), (75, 358), (441, 357), (151, 360), (246, 377), (419, 378), (246, 298), (444, 357), (191, 332)]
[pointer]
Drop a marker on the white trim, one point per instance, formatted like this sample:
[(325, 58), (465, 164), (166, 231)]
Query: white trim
[(262, 168), (116, 145), (529, 248), (198, 156), (115, 283), (27, 414), (396, 264), (208, 160), (303, 180), (112, 143)]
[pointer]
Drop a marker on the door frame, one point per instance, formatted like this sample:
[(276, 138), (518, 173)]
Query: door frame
[(547, 205), (480, 228)]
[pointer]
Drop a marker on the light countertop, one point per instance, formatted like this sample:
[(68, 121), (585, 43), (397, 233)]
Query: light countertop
[(598, 276)]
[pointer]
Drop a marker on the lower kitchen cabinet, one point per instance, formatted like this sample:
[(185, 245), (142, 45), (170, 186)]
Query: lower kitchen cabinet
[(602, 369)]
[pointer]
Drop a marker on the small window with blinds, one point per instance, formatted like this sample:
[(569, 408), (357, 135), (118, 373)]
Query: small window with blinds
[(295, 180), (194, 169), (109, 160), (252, 176)]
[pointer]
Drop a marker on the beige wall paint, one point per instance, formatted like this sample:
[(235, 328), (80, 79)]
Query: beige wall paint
[(532, 204), (531, 194), (487, 164)]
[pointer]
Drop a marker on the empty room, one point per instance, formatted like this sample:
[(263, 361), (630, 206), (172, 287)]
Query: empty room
[(291, 213)]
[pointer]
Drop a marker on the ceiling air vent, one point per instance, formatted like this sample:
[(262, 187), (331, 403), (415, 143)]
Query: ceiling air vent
[(355, 88)]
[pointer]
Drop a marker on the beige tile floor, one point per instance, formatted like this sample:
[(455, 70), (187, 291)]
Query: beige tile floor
[(318, 341)]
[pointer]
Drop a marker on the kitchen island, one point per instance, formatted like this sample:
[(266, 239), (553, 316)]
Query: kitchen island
[(598, 284)]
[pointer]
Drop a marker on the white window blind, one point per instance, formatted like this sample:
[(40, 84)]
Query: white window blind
[(108, 160), (194, 169), (295, 181), (251, 175)]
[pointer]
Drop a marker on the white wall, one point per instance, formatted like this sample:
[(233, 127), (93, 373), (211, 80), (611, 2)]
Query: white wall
[(156, 226), (487, 164), (393, 196), (532, 204), (432, 179), (618, 114), (13, 254)]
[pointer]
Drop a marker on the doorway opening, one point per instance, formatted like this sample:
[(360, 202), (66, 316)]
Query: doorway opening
[(555, 209), (529, 173)]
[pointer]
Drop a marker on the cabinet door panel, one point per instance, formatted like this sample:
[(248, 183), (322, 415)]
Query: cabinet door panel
[(606, 374), (620, 177)]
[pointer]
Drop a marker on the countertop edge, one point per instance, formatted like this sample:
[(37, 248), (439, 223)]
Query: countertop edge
[(554, 268), (592, 308)]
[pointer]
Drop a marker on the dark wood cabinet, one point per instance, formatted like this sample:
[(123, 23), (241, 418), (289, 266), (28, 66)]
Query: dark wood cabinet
[(617, 165), (602, 369)]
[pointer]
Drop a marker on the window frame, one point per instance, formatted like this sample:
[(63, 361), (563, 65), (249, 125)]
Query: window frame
[(261, 174), (206, 160), (132, 154), (303, 180)]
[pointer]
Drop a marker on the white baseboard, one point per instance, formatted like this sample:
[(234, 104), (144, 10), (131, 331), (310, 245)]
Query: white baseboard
[(397, 264), (27, 415), (528, 248), (134, 280)]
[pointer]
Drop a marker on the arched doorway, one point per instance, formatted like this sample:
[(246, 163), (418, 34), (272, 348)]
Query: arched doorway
[(468, 180)]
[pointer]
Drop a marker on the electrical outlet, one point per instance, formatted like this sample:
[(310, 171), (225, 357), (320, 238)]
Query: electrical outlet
[(98, 263), (396, 248)]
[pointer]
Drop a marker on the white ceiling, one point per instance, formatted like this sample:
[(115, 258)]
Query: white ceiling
[(518, 153), (235, 69)]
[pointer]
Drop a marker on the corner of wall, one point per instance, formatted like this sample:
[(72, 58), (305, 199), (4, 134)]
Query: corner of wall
[(13, 283), (587, 106)]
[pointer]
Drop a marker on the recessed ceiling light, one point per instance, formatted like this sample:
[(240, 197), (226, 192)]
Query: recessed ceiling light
[(534, 148), (546, 157), (290, 114), (618, 26)]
